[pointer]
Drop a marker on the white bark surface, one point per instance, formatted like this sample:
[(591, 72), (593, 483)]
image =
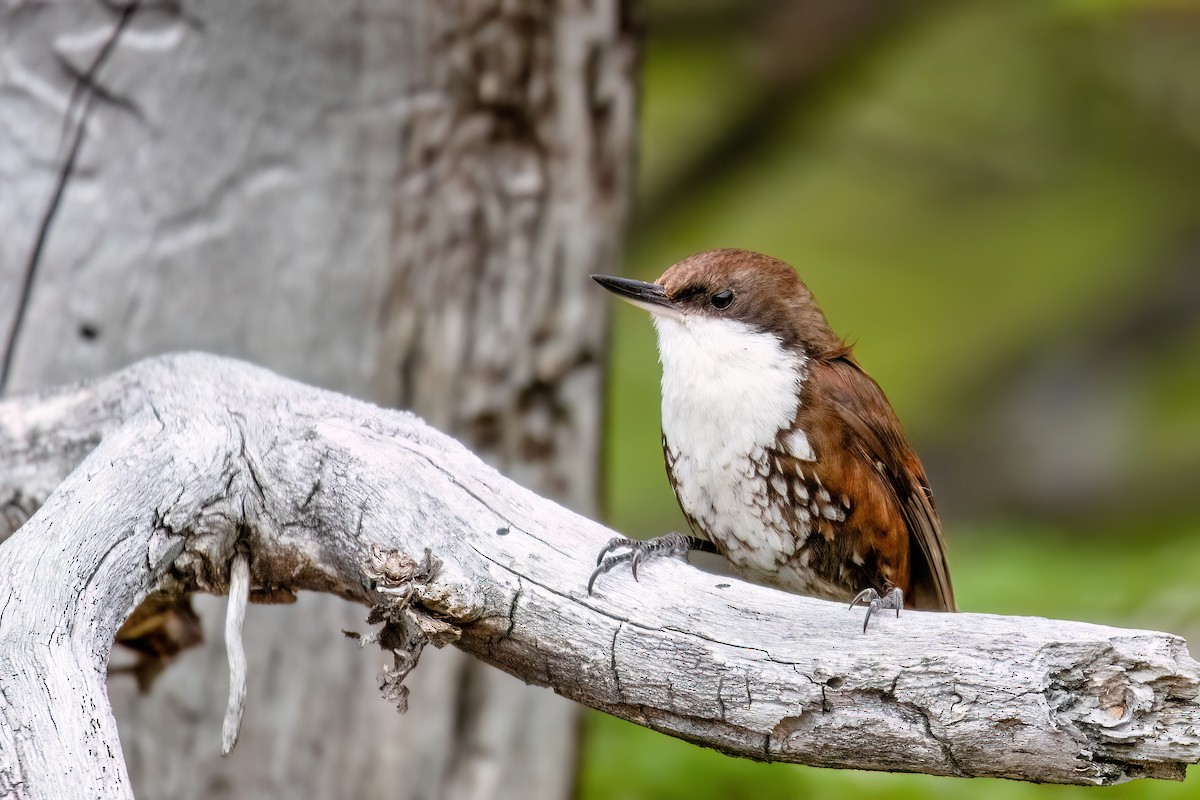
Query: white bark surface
[(197, 458)]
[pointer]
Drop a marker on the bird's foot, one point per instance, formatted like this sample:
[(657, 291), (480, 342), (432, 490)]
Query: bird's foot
[(675, 545), (871, 599)]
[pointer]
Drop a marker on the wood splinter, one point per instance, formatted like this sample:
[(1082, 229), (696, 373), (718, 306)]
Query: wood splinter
[(235, 615)]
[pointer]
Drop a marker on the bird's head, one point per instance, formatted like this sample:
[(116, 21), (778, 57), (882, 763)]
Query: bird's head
[(729, 300)]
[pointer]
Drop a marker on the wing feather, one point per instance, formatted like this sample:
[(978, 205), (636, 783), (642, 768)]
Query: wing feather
[(866, 412)]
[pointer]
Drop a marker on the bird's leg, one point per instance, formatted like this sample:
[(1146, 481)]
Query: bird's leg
[(871, 599), (675, 545)]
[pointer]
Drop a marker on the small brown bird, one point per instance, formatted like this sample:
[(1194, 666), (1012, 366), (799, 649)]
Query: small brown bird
[(784, 454)]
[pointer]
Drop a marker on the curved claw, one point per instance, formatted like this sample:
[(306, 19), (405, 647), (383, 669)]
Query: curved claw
[(613, 544), (596, 573), (872, 600), (865, 596), (672, 544), (895, 599), (607, 565), (638, 555), (874, 604)]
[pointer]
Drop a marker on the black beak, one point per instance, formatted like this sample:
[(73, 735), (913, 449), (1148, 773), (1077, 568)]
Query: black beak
[(636, 292)]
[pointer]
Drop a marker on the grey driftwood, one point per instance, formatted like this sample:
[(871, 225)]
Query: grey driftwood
[(169, 474)]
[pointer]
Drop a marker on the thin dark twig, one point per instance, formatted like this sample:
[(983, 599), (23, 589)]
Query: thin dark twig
[(64, 174)]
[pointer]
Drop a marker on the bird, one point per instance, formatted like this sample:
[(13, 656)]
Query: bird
[(784, 454)]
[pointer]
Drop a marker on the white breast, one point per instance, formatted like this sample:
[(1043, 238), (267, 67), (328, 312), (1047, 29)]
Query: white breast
[(727, 391)]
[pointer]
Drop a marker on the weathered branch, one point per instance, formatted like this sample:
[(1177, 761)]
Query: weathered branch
[(193, 459)]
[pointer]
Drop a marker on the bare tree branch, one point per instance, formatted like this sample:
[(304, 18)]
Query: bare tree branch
[(200, 458)]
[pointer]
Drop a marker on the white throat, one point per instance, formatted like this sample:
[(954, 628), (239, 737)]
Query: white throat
[(725, 383), (727, 392)]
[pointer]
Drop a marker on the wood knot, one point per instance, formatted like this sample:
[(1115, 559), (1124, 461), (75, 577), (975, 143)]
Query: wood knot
[(391, 569), (407, 626)]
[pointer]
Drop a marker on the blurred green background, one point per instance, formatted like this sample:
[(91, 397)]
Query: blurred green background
[(1000, 202)]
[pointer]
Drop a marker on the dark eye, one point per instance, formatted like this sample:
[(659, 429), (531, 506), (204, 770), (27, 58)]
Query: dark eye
[(722, 299)]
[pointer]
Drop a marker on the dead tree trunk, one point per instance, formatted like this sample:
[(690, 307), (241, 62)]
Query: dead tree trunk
[(400, 202)]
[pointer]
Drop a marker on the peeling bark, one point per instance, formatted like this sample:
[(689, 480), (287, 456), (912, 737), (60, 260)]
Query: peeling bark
[(199, 458)]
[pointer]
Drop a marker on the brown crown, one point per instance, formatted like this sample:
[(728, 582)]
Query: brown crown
[(767, 294)]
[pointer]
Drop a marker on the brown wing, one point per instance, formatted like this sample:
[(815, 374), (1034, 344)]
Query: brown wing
[(863, 448)]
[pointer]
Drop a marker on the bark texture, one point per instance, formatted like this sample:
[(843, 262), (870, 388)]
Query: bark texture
[(200, 460), (399, 201)]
